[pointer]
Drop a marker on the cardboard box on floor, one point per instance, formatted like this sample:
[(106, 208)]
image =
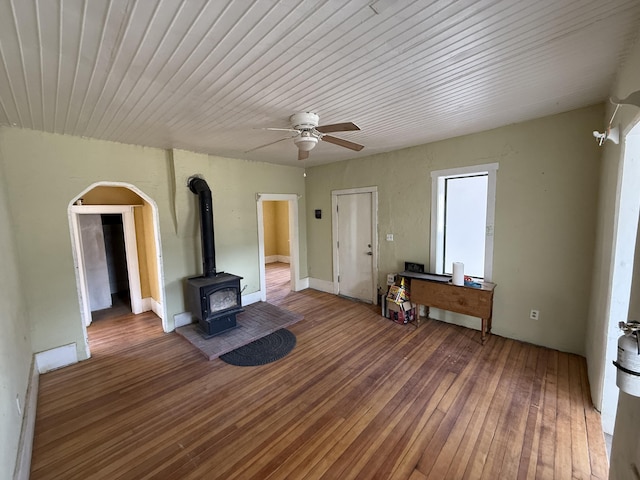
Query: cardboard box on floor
[(404, 312)]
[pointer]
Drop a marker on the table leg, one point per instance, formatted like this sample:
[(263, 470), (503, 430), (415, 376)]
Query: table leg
[(483, 337), (417, 322)]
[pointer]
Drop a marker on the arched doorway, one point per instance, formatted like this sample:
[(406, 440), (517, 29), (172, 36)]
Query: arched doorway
[(140, 224)]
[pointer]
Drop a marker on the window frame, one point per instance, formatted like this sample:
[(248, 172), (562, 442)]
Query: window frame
[(438, 178)]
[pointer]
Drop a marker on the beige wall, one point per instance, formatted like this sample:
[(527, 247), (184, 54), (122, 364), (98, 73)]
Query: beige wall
[(107, 195), (150, 251), (144, 260), (544, 226), (282, 228), (276, 228), (15, 339), (269, 221), (45, 172)]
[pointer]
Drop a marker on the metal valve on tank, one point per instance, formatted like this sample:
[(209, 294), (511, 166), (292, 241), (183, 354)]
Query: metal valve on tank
[(628, 362)]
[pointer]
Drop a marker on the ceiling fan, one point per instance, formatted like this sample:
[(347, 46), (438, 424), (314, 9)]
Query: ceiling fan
[(308, 132)]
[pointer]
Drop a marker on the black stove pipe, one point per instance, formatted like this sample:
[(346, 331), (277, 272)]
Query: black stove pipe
[(199, 187)]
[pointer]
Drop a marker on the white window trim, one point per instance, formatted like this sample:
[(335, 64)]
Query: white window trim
[(437, 210)]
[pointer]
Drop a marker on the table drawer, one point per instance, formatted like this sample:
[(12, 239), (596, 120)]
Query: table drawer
[(465, 300)]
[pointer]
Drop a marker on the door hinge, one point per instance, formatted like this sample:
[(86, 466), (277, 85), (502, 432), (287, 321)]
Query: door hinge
[(338, 278), (338, 244)]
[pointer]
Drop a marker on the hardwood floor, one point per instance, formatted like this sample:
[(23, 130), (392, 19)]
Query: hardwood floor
[(359, 397), (278, 280)]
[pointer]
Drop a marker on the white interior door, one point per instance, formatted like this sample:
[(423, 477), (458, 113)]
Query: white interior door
[(95, 260), (355, 246)]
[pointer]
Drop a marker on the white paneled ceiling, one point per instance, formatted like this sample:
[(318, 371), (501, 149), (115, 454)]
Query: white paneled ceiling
[(208, 76)]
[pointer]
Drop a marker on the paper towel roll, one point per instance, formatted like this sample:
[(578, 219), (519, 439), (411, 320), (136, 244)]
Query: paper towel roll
[(458, 274)]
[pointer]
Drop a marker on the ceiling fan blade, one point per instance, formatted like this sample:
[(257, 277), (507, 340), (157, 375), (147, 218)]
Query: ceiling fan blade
[(267, 144), (343, 143), (275, 129), (338, 127), (303, 154)]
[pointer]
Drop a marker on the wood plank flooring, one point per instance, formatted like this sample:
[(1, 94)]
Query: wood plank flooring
[(359, 397), (278, 279)]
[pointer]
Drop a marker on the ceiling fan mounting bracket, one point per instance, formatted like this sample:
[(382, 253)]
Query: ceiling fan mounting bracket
[(304, 120)]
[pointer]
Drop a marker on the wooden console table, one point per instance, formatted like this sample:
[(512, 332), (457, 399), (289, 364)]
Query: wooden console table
[(435, 291)]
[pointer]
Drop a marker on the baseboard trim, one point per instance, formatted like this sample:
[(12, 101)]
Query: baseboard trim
[(25, 444), (302, 284), (250, 298), (322, 285), (56, 358), (277, 258), (156, 307), (145, 304), (182, 319)]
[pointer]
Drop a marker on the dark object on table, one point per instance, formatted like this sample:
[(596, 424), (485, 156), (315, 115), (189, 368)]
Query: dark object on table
[(413, 267)]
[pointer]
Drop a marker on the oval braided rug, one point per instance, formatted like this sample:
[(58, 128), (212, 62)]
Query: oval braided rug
[(265, 350)]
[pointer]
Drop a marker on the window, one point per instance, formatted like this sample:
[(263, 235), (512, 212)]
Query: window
[(462, 215)]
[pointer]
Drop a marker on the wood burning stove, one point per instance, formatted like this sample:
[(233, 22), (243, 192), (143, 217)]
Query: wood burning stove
[(213, 298), (214, 301)]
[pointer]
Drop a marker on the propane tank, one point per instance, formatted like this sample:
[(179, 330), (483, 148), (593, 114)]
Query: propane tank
[(628, 363)]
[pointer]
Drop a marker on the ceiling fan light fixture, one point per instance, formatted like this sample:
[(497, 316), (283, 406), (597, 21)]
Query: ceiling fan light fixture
[(306, 141)]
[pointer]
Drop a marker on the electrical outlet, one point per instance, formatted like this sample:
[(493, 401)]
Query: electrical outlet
[(389, 237), (534, 315)]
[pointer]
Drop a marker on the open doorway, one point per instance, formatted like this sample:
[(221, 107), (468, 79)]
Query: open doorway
[(277, 249), (278, 245), (116, 289), (116, 245), (90, 250), (624, 244)]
